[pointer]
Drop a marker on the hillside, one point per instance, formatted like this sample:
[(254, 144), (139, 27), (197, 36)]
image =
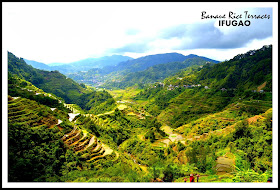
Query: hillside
[(203, 118), (193, 93), (156, 73), (244, 71), (147, 69), (35, 151), (44, 143), (145, 62), (58, 84), (39, 65)]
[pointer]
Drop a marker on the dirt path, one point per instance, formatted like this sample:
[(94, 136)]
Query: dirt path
[(261, 86)]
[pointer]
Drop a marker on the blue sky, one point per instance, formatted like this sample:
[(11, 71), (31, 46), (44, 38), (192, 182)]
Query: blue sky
[(66, 32)]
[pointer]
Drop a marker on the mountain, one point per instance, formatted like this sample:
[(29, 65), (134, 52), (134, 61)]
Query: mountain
[(244, 71), (60, 85), (151, 68), (38, 65), (101, 62), (86, 64), (193, 93), (145, 62), (158, 72), (82, 65)]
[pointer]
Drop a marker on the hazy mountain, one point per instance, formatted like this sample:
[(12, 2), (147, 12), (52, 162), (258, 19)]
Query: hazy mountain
[(145, 62), (151, 68), (86, 64), (159, 72), (82, 65), (38, 65)]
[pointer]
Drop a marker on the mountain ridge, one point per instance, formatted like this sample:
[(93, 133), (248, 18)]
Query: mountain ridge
[(60, 85), (142, 63), (171, 62), (81, 65)]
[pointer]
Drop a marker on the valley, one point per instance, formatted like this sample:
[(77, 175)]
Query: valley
[(155, 118)]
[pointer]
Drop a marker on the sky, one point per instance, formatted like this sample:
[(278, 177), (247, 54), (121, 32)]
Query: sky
[(50, 32)]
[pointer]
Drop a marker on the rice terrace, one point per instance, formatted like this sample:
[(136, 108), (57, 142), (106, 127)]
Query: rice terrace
[(165, 102)]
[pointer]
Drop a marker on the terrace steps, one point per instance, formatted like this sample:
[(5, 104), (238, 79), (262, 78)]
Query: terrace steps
[(87, 145)]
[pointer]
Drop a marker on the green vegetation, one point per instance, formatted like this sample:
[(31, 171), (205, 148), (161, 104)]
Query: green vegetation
[(156, 73), (194, 93), (211, 119), (246, 71), (63, 87), (140, 71), (35, 149)]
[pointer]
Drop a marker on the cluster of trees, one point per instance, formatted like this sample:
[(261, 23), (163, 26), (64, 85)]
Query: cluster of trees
[(117, 127), (250, 143), (22, 88), (35, 149), (96, 102), (245, 71)]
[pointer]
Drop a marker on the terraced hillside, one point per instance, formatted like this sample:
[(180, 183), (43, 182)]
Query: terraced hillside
[(34, 144), (223, 122), (27, 112), (35, 127), (87, 146)]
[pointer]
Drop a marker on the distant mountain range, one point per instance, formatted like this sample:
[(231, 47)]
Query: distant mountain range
[(159, 72), (82, 65), (38, 65), (109, 64), (145, 62), (150, 68)]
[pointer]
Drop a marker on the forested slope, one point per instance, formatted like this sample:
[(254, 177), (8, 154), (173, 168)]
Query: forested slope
[(58, 84), (198, 91), (157, 73)]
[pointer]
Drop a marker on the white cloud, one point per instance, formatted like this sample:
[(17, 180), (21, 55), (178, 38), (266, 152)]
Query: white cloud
[(66, 32), (226, 54)]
